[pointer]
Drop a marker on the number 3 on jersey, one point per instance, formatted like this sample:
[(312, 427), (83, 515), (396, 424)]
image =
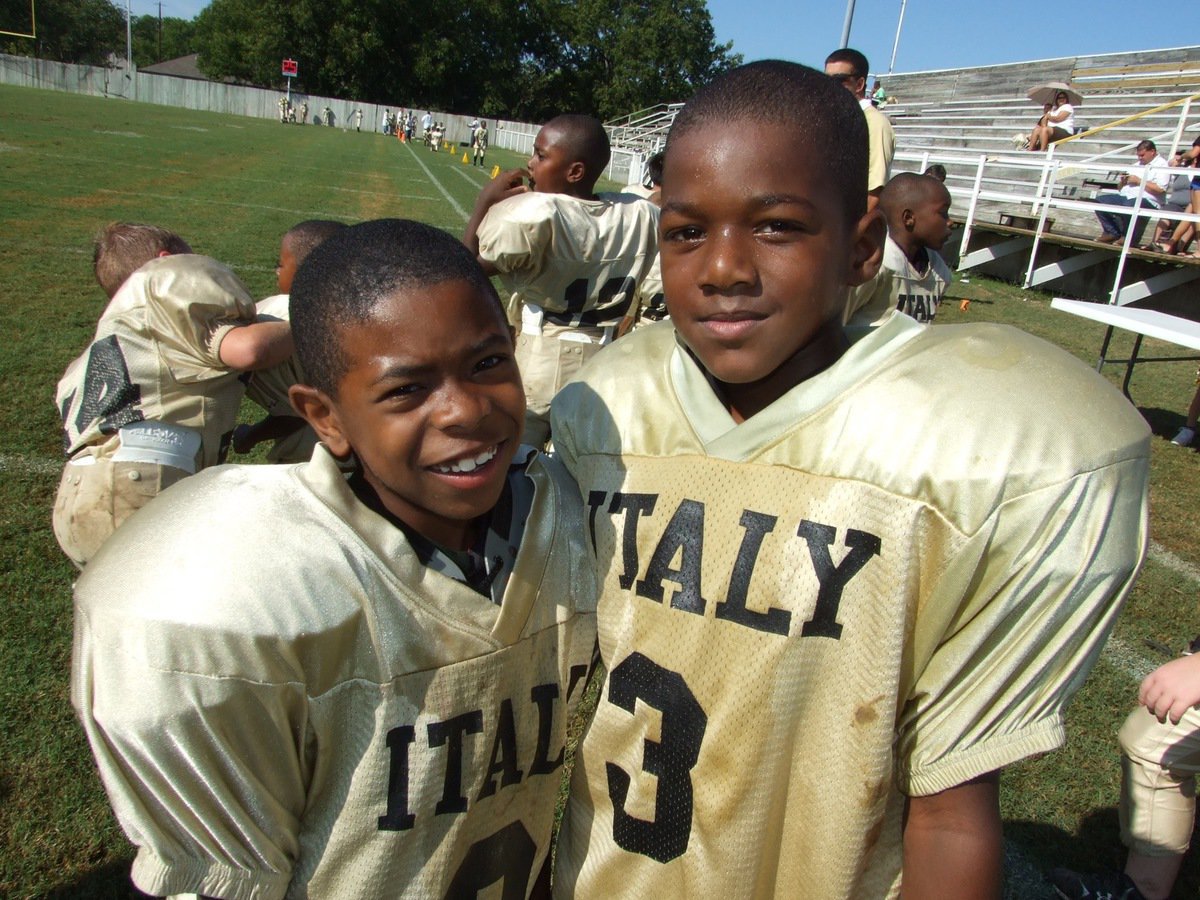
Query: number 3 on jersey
[(671, 760)]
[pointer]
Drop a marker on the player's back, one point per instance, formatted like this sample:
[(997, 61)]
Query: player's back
[(581, 261)]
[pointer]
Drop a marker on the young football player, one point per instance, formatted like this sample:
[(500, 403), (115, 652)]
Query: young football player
[(840, 592), (479, 143), (300, 682), (293, 439), (1160, 758), (155, 396), (913, 277), (573, 260)]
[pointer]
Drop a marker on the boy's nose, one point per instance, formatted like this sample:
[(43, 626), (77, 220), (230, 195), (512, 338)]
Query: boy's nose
[(462, 406), (729, 261)]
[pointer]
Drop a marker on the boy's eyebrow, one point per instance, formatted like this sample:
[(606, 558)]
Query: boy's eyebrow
[(764, 201), (400, 370)]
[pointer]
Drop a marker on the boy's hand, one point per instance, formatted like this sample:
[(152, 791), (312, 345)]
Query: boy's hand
[(1172, 689), (506, 184)]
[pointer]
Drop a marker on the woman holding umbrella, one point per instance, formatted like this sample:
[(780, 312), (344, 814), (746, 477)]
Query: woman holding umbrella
[(1058, 120)]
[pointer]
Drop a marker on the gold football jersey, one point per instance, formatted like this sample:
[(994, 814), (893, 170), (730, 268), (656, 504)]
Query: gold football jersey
[(899, 285), (309, 711), (877, 586), (581, 261), (155, 357), (269, 389)]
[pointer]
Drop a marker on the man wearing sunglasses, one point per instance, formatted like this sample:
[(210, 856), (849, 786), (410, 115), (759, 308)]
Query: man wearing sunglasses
[(850, 68)]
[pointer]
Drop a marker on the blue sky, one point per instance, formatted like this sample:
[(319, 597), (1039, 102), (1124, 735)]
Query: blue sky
[(937, 34)]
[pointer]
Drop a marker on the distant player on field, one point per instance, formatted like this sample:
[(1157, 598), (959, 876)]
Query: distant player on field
[(841, 590), (479, 143), (293, 439), (298, 683), (913, 277), (573, 259), (155, 396)]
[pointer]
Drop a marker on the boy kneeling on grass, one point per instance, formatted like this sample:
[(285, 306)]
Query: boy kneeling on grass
[(298, 682), (843, 586)]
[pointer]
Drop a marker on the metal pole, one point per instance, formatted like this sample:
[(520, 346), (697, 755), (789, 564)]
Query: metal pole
[(846, 26), (896, 44), (129, 47)]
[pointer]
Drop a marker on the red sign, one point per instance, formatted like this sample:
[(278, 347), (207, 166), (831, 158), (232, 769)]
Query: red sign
[(290, 67)]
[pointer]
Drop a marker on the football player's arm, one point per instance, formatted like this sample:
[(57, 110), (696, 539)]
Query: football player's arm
[(505, 185), (953, 843), (259, 345)]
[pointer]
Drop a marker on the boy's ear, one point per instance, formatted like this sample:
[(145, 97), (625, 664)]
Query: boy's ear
[(576, 171), (866, 252), (321, 413), (909, 219)]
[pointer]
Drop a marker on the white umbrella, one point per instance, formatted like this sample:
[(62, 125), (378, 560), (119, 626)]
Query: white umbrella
[(1045, 93)]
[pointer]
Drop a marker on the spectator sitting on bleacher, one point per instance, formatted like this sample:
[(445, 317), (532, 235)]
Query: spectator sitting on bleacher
[(1151, 168), (1184, 231), (1057, 122)]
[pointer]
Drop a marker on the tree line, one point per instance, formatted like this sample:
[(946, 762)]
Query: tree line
[(520, 59)]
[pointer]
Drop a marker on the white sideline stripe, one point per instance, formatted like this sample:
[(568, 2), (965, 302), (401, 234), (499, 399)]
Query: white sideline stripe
[(470, 178), (177, 199), (25, 465), (1166, 558), (1127, 658), (132, 134), (445, 193), (188, 128)]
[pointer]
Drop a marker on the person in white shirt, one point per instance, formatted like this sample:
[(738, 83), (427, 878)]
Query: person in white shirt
[(1152, 169), (1056, 123)]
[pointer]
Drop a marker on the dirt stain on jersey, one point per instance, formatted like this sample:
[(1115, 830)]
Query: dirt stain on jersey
[(866, 712)]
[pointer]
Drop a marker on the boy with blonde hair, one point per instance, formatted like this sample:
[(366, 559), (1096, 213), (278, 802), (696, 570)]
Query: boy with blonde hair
[(155, 396)]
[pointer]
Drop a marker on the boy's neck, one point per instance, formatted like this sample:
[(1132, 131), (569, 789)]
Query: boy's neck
[(825, 348), (916, 253)]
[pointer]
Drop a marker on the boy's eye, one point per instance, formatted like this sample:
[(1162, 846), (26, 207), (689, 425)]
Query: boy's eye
[(490, 362), (684, 233), (779, 226)]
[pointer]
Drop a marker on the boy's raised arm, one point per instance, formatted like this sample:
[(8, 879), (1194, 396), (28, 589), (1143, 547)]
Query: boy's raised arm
[(505, 185), (953, 843)]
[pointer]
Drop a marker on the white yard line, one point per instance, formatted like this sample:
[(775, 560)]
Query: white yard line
[(307, 213), (1166, 558), (472, 179), (437, 184)]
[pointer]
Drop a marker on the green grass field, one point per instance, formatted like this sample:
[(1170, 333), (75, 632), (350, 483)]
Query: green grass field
[(232, 186)]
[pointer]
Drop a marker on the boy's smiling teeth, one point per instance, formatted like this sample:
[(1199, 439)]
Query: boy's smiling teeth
[(468, 464)]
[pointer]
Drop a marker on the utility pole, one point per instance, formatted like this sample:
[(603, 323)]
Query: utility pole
[(129, 48), (896, 45), (846, 27), (160, 32)]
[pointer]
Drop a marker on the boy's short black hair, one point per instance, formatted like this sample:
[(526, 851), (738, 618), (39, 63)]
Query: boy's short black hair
[(858, 61), (907, 191), (586, 141), (344, 279), (824, 117), (308, 235)]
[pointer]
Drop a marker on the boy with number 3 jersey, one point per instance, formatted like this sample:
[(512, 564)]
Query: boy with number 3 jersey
[(840, 592)]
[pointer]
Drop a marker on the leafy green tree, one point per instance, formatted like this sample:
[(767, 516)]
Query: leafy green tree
[(242, 39), (175, 39), (76, 31)]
